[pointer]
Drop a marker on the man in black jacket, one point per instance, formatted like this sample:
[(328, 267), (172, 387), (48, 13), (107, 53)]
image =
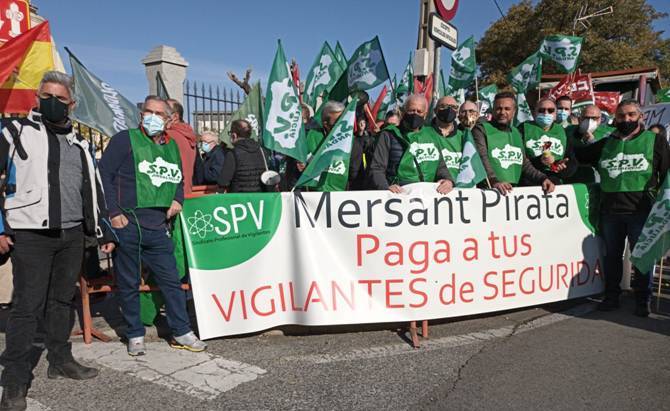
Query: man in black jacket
[(244, 164), (632, 163), (208, 166), (361, 154), (53, 200)]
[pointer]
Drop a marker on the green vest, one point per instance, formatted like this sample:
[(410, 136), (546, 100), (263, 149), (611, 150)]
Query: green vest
[(505, 153), (535, 138), (157, 170), (627, 165), (314, 139), (423, 151), (451, 148), (585, 174)]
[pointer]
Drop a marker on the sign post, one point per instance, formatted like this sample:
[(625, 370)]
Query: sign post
[(445, 35)]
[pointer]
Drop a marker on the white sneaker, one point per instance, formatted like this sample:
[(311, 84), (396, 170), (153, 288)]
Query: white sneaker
[(188, 341), (136, 346)]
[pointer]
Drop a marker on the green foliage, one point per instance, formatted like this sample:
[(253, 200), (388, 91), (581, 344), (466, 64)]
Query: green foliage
[(621, 40)]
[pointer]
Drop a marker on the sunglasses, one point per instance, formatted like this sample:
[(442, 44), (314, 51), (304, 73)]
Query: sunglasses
[(546, 110)]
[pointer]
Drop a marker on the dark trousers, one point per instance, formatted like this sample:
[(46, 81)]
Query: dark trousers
[(156, 250), (614, 229), (46, 266)]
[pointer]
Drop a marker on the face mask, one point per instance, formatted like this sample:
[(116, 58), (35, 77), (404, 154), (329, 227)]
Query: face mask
[(53, 109), (206, 148), (544, 119), (626, 127), (153, 124), (412, 121), (562, 115), (446, 115), (588, 125)]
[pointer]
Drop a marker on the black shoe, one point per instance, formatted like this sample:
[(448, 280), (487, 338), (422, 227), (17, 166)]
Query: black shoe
[(609, 304), (14, 398), (72, 370), (641, 309)]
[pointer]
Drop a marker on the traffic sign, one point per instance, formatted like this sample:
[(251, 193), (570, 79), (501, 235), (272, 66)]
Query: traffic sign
[(446, 8), (442, 32)]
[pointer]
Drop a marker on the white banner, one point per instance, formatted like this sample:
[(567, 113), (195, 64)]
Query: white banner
[(262, 260)]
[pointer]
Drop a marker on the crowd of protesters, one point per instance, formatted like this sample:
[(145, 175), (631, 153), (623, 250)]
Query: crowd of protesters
[(57, 197)]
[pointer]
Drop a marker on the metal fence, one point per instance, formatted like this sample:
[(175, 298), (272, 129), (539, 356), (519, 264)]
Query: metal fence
[(209, 108)]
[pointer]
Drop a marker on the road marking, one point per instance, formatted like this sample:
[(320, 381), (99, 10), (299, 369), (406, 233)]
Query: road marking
[(33, 405), (444, 342), (201, 375)]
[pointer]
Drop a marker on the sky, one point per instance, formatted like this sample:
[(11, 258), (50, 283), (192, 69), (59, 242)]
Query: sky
[(112, 37)]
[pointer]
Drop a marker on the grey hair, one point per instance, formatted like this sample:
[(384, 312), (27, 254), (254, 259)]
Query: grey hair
[(414, 97), (630, 102), (331, 107), (151, 97), (58, 78)]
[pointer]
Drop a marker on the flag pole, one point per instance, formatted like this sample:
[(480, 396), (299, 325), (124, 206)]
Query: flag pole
[(660, 280), (388, 75), (476, 89)]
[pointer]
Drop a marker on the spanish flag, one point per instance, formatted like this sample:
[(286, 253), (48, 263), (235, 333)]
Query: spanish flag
[(23, 62)]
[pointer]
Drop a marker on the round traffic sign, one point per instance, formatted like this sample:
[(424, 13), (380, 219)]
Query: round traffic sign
[(446, 8)]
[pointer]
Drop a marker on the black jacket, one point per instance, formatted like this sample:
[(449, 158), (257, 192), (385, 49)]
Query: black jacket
[(209, 166), (358, 169), (242, 167)]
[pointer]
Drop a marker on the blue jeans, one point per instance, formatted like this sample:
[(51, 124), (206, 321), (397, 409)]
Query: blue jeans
[(157, 252), (614, 229)]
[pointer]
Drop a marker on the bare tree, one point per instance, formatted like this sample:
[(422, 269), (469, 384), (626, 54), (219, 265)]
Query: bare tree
[(244, 85)]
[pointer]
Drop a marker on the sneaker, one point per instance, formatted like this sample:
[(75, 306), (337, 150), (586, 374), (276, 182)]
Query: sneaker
[(609, 304), (189, 342), (14, 398), (136, 346), (72, 370)]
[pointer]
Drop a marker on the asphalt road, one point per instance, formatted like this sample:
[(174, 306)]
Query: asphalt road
[(562, 356)]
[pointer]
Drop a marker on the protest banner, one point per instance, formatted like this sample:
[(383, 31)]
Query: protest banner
[(656, 114), (262, 260)]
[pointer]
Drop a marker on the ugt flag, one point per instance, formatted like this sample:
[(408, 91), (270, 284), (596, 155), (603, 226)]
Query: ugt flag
[(471, 170), (283, 130), (463, 65), (23, 61), (367, 68), (251, 110), (329, 168), (526, 75), (322, 76), (563, 50), (99, 105), (654, 241)]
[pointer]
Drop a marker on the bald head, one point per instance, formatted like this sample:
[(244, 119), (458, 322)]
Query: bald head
[(468, 106), (416, 104), (591, 112), (468, 114)]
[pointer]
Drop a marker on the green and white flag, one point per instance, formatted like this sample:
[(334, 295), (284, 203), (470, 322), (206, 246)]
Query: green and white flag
[(406, 85), (251, 110), (463, 65), (523, 112), (486, 96), (654, 241), (340, 56), (526, 75), (322, 76), (563, 50), (471, 170), (283, 130), (663, 95), (99, 105), (367, 68), (328, 170)]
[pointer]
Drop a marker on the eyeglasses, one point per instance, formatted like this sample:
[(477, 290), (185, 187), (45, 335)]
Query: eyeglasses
[(548, 110)]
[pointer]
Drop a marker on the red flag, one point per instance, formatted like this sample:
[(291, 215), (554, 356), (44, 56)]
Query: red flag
[(561, 89), (576, 85), (607, 100), (425, 87)]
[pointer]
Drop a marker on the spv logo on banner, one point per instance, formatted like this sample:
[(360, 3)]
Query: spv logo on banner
[(624, 163), (424, 152), (211, 221), (160, 171)]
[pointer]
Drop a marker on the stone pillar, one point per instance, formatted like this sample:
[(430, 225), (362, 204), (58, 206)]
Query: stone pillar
[(171, 65)]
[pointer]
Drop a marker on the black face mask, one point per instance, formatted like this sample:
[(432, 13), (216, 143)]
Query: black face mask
[(412, 121), (626, 127), (446, 115), (53, 109)]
